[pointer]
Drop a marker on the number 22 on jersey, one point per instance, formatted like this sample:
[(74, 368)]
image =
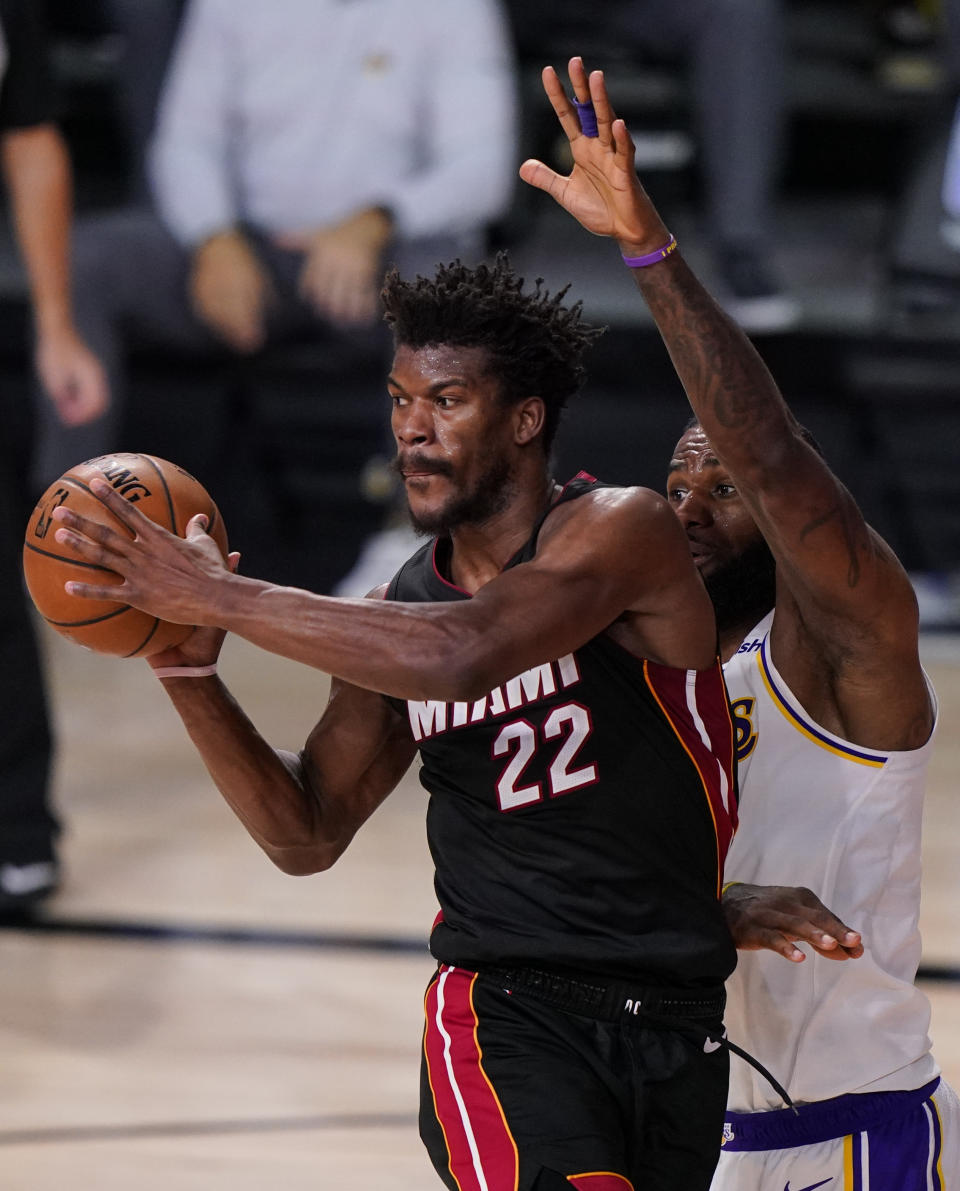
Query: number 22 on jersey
[(520, 740)]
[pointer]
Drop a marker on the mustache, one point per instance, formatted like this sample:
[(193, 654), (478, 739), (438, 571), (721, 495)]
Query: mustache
[(414, 461)]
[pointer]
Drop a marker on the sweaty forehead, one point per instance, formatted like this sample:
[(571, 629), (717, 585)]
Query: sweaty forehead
[(441, 360), (693, 452)]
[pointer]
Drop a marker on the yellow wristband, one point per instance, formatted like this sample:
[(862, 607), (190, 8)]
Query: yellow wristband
[(729, 885)]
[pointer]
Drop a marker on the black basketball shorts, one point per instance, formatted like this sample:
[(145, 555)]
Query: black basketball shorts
[(519, 1093)]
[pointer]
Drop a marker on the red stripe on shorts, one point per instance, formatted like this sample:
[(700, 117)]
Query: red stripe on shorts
[(483, 1154), (601, 1180)]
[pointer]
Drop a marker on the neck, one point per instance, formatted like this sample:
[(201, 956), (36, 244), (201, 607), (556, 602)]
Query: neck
[(480, 552)]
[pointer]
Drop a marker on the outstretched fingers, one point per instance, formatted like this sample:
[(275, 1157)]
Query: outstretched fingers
[(125, 511), (566, 112), (597, 94), (103, 545), (587, 89), (93, 541)]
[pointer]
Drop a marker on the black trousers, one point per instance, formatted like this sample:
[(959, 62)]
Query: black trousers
[(516, 1092), (28, 827)]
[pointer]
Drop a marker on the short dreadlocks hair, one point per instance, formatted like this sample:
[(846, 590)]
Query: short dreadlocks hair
[(535, 344)]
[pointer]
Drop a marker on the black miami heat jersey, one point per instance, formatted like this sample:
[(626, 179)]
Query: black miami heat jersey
[(580, 813)]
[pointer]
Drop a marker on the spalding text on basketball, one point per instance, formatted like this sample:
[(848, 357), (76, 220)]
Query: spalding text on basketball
[(127, 483)]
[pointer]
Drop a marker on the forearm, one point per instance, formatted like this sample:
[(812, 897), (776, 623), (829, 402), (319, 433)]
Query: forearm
[(37, 173), (405, 650), (266, 789), (730, 390)]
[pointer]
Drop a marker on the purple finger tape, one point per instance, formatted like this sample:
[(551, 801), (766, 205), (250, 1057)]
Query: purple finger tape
[(588, 117)]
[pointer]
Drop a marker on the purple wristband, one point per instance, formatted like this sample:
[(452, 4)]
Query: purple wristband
[(588, 117), (652, 258)]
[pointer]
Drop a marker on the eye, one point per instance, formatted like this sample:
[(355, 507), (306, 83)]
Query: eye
[(724, 490), (676, 495), (397, 399)]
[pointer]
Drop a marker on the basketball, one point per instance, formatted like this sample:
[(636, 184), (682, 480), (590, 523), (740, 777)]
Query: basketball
[(162, 491)]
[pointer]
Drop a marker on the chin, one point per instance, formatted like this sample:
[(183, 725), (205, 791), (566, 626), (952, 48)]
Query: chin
[(430, 520)]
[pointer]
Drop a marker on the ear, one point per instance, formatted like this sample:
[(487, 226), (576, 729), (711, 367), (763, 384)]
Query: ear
[(529, 418)]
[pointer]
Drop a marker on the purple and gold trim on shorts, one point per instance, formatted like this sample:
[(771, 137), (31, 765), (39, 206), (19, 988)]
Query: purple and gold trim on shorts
[(891, 1140)]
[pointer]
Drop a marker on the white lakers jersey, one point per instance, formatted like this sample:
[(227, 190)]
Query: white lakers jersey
[(844, 821)]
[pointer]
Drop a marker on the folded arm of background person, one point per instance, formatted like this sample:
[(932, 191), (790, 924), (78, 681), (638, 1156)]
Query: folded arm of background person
[(845, 631), (36, 170)]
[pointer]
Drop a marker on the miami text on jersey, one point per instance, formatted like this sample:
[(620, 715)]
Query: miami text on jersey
[(432, 717)]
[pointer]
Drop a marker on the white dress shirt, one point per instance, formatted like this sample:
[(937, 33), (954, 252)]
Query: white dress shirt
[(293, 114)]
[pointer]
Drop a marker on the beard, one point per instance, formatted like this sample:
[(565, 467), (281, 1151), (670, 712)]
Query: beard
[(744, 589), (490, 495)]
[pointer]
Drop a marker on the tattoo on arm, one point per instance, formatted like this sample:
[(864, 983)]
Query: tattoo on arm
[(855, 535), (730, 389), (724, 377)]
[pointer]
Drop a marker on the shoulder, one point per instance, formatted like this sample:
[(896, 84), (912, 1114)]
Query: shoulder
[(629, 533), (631, 511)]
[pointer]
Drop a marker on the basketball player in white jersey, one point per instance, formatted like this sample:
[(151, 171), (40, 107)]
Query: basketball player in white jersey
[(818, 629)]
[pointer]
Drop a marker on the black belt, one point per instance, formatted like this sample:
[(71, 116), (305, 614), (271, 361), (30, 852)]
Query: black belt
[(682, 1010), (610, 1000)]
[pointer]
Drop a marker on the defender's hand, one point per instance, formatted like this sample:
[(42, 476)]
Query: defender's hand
[(602, 191), (176, 579), (775, 917)]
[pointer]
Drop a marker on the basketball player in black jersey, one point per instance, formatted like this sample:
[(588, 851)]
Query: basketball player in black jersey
[(551, 653)]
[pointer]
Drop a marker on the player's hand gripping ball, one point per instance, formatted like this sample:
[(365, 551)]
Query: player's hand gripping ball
[(162, 491)]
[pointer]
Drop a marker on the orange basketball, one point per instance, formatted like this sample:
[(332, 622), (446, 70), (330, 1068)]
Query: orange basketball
[(166, 494)]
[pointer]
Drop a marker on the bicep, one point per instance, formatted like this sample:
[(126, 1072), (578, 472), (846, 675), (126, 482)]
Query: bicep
[(355, 756)]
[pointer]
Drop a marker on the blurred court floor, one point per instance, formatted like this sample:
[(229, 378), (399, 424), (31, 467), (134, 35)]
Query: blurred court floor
[(195, 1019)]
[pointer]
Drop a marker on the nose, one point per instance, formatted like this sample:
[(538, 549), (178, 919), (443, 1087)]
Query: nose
[(412, 424), (694, 509)]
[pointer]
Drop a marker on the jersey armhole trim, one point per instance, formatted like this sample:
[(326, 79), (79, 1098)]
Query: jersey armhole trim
[(805, 726)]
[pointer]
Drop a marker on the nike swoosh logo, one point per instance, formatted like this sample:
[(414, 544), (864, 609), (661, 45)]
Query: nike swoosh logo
[(812, 1186)]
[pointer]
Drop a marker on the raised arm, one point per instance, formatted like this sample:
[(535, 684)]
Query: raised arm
[(839, 584), (612, 555)]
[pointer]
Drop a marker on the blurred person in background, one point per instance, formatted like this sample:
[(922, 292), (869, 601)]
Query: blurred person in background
[(298, 147), (147, 30), (734, 52), (37, 174)]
